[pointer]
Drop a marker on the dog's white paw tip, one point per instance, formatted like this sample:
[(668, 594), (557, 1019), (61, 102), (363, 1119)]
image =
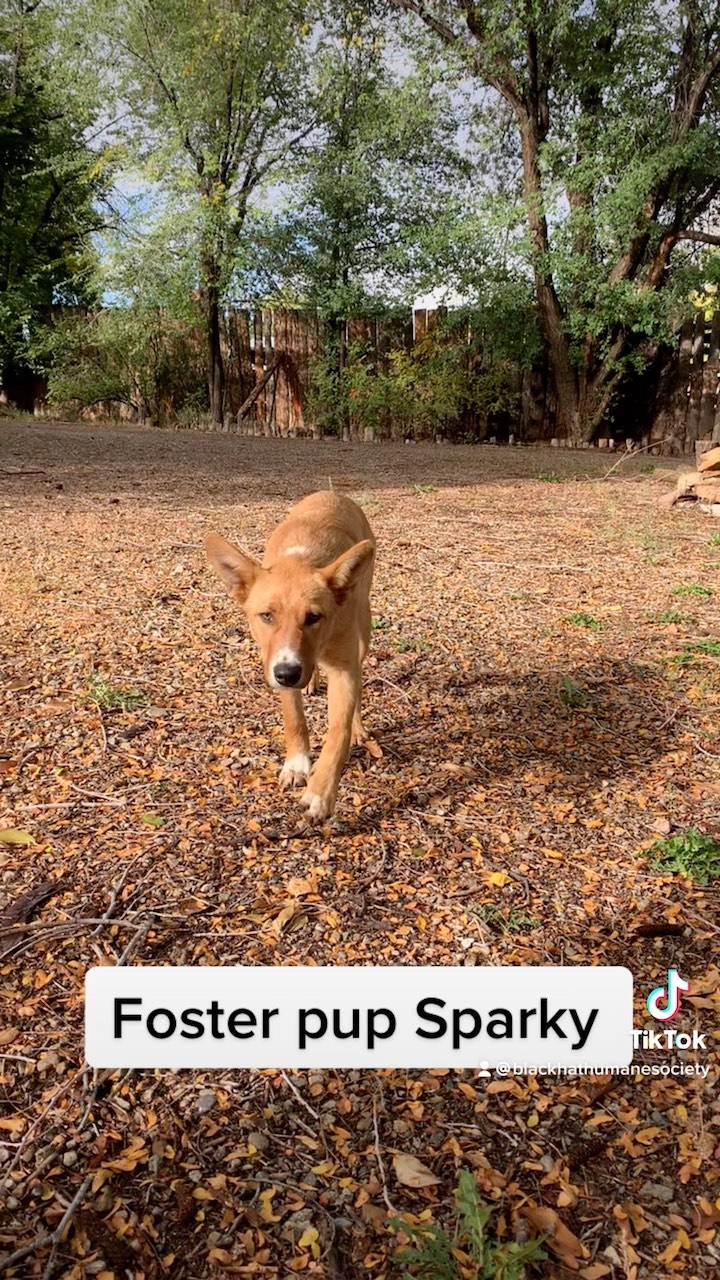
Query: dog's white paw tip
[(317, 806), (295, 771)]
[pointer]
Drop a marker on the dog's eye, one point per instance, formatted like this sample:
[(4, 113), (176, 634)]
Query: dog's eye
[(266, 617), (312, 618)]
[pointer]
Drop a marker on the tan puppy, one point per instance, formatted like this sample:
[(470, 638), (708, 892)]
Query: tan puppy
[(308, 603)]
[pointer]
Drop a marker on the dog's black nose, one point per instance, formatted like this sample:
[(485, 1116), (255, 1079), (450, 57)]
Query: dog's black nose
[(288, 674)]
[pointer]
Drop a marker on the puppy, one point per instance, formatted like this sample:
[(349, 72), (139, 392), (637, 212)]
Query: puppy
[(308, 603)]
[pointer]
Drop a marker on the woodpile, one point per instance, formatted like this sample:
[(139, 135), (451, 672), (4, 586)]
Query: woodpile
[(701, 485)]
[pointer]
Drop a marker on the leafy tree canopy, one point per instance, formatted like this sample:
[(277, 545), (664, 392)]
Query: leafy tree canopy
[(51, 182)]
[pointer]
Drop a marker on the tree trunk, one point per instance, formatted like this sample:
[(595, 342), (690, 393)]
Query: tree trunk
[(338, 346), (211, 311), (551, 318)]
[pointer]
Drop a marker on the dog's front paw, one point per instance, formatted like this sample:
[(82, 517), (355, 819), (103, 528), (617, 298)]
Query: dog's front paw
[(318, 806), (295, 771)]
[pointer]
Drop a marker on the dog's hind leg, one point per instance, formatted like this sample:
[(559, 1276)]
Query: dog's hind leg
[(359, 733), (296, 769), (313, 684)]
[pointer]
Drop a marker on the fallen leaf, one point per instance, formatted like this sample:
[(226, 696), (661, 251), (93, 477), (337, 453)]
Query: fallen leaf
[(411, 1172), (498, 879), (553, 1229), (12, 835), (13, 1124)]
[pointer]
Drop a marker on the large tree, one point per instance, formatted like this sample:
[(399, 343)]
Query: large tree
[(212, 92), (615, 109), (383, 159), (51, 181), (362, 203)]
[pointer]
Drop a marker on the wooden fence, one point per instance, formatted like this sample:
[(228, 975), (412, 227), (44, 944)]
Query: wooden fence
[(687, 403), (269, 358), (270, 355)]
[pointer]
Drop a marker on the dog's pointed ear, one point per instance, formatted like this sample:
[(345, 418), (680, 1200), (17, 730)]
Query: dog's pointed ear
[(343, 573), (237, 570)]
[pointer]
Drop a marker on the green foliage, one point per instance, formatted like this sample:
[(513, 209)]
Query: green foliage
[(672, 616), (471, 1250), (154, 820), (454, 374), (572, 695), (144, 349), (51, 182), (505, 921), (412, 644), (689, 854), (108, 697), (715, 539), (692, 589), (597, 144), (372, 176), (584, 620), (551, 477), (697, 649), (129, 356), (210, 97)]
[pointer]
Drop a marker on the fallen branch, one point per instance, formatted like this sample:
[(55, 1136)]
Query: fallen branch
[(12, 472), (259, 387), (631, 453)]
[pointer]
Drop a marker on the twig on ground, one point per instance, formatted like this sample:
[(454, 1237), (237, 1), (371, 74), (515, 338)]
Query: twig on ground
[(365, 884), (13, 472), (523, 880), (58, 1094), (377, 679), (525, 566), (98, 795), (100, 1079), (41, 931), (24, 1252), (117, 888), (381, 1164), (310, 1110), (135, 943), (26, 757), (631, 453), (64, 1222)]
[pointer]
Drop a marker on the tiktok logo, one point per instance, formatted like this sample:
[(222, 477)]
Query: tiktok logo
[(663, 1003)]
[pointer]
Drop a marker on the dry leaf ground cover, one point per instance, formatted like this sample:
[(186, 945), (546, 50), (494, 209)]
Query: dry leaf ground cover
[(544, 690)]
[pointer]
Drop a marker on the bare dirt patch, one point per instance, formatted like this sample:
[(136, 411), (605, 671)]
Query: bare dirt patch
[(546, 704)]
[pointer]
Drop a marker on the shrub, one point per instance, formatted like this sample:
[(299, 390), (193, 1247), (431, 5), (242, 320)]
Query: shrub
[(471, 1251), (690, 854)]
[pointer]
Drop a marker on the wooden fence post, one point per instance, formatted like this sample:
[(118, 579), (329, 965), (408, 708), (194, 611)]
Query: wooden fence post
[(710, 381), (692, 430)]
